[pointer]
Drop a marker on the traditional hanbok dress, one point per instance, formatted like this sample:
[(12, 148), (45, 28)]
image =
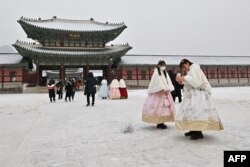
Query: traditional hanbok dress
[(197, 111), (159, 106), (103, 92), (123, 89), (114, 92)]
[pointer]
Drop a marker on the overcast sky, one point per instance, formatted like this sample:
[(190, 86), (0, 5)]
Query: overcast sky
[(189, 27)]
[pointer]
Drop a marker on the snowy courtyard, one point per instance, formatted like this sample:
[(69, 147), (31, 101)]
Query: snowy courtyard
[(37, 133)]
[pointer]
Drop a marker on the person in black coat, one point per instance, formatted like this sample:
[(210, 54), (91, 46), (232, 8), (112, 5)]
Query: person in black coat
[(68, 89), (90, 88), (177, 86), (59, 86)]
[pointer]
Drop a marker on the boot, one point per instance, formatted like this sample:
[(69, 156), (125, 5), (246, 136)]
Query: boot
[(197, 135), (161, 126), (190, 133), (87, 105)]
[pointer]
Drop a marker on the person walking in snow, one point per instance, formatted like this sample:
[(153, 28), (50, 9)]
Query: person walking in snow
[(51, 89), (68, 89), (73, 83), (159, 106), (90, 88), (59, 87), (197, 112)]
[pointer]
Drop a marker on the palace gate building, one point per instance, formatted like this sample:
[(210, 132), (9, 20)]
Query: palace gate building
[(73, 44)]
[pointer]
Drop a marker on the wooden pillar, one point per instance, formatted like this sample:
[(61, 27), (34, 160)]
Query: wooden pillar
[(149, 72), (207, 73), (121, 74), (23, 77), (247, 73), (85, 71), (238, 74), (218, 77), (228, 74), (62, 73), (109, 74), (137, 73), (2, 77), (37, 74)]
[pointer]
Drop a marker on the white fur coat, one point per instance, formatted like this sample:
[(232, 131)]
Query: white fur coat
[(160, 83), (197, 79), (114, 84), (122, 83)]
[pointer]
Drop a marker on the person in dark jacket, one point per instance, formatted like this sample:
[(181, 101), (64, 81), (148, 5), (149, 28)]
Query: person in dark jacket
[(177, 87), (59, 86), (90, 88), (51, 88), (68, 89), (73, 83)]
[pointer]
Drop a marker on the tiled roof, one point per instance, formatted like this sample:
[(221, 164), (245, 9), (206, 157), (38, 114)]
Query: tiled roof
[(72, 25), (10, 58), (7, 49), (37, 48), (176, 59)]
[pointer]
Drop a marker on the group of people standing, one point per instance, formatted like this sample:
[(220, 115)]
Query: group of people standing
[(196, 112), (118, 89), (57, 88)]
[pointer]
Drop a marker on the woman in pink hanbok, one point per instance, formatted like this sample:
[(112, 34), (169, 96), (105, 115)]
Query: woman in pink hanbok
[(114, 92), (159, 106)]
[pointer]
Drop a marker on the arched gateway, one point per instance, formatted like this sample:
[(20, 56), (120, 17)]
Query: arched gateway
[(65, 44)]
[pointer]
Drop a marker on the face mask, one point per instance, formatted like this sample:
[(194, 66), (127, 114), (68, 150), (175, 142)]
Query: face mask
[(162, 68)]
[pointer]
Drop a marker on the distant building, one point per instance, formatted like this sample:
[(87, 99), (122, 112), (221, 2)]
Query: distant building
[(220, 70), (12, 67), (71, 44)]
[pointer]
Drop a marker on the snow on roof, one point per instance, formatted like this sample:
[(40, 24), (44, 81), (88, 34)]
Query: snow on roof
[(7, 49), (72, 25), (37, 48), (176, 59), (10, 58)]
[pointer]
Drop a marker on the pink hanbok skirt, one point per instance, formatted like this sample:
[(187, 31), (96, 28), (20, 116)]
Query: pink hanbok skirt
[(114, 93), (158, 108)]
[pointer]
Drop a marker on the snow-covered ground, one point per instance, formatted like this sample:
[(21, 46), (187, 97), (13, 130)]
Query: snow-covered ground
[(37, 133)]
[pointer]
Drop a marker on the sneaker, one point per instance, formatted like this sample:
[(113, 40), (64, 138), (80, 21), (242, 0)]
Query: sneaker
[(87, 105)]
